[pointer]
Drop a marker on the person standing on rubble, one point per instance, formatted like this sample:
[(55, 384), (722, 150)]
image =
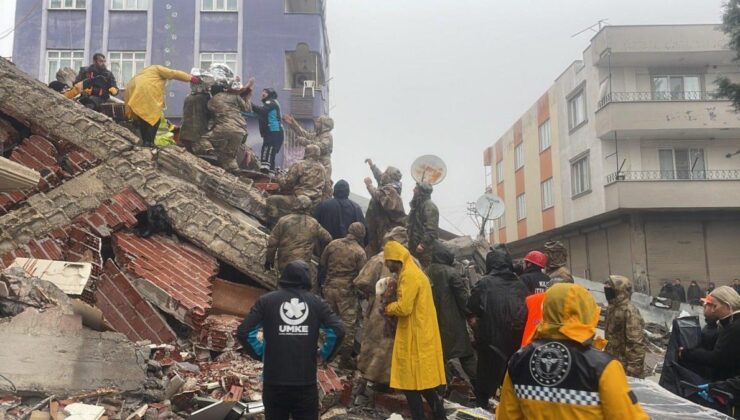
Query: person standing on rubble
[(624, 326), (290, 320), (305, 178), (498, 314), (98, 83), (557, 262), (385, 210), (295, 237), (423, 224), (271, 128), (144, 98), (342, 260), (321, 136), (417, 366), (337, 214), (195, 118), (694, 294), (451, 298), (563, 374), (679, 291), (228, 130), (374, 361), (533, 277)]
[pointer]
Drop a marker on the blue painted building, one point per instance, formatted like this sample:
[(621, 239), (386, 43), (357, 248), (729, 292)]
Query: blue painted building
[(282, 43)]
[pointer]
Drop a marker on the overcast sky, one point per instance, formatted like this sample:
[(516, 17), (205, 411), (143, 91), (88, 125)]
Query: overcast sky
[(448, 77)]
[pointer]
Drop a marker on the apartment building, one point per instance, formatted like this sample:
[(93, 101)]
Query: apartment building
[(629, 160)]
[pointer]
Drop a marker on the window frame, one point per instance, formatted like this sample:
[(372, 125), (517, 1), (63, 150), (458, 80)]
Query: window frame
[(235, 68), (675, 173), (519, 156), (549, 135), (585, 157), (225, 9), (501, 222), (547, 204), (124, 8), (122, 81), (288, 12), (521, 207), (669, 95), (72, 59), (50, 5), (580, 91), (499, 171)]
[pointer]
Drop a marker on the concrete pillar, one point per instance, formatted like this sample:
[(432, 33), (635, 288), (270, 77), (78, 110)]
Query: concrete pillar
[(638, 247)]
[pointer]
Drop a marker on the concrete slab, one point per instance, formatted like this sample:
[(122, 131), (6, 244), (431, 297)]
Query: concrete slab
[(71, 277)]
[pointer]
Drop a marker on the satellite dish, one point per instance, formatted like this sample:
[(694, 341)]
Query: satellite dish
[(490, 206), (429, 168)]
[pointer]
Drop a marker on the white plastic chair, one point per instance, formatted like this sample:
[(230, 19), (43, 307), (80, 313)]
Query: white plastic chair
[(309, 84)]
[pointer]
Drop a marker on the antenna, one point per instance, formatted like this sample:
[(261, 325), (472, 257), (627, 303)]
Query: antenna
[(487, 207), (601, 23)]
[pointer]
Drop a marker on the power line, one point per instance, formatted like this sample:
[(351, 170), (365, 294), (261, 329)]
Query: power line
[(21, 22)]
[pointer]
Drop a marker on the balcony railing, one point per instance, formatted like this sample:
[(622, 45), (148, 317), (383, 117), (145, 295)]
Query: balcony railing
[(678, 175), (658, 97)]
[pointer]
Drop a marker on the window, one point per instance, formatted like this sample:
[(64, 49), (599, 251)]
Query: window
[(519, 156), (66, 4), (129, 4), (125, 65), (681, 163), (302, 6), (676, 88), (547, 194), (57, 59), (580, 176), (501, 222), (206, 59), (545, 136), (218, 5), (500, 171), (577, 110), (521, 207)]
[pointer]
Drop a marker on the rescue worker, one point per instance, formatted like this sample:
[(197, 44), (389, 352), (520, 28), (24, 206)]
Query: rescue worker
[(385, 210), (623, 326), (295, 237), (498, 313), (557, 261), (343, 259), (534, 311), (98, 83), (533, 277), (337, 214), (417, 366), (423, 224), (271, 128), (679, 291), (694, 293), (195, 118), (144, 98), (321, 136), (305, 178), (451, 299), (563, 374), (228, 129), (290, 320), (374, 361)]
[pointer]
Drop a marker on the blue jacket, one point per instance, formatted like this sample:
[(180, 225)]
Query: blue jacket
[(269, 116)]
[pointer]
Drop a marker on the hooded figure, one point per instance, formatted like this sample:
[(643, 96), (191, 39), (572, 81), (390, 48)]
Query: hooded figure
[(561, 374), (290, 319), (498, 303), (385, 210), (694, 293), (337, 214), (624, 326), (229, 129), (451, 298), (320, 137), (271, 127), (306, 178), (417, 366), (195, 119), (295, 237), (342, 260), (374, 361), (557, 261), (423, 223)]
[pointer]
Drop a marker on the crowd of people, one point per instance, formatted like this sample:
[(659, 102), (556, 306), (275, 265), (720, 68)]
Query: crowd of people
[(525, 333)]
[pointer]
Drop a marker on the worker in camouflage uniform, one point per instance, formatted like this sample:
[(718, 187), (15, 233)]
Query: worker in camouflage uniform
[(320, 137), (342, 260), (306, 178), (295, 237), (423, 224), (624, 326), (195, 120), (557, 261), (374, 361), (229, 129), (385, 210)]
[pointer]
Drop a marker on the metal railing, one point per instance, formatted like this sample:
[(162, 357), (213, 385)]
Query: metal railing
[(658, 97), (678, 175)]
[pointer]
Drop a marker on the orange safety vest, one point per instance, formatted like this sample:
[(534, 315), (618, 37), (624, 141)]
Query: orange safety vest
[(534, 317)]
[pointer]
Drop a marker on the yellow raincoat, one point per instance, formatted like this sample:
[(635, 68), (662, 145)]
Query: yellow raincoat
[(144, 95), (417, 361), (569, 313)]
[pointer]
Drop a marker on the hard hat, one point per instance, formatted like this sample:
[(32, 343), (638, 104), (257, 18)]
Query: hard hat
[(537, 258)]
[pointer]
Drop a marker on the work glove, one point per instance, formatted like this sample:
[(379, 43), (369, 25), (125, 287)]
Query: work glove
[(113, 90), (195, 80), (268, 265), (704, 392)]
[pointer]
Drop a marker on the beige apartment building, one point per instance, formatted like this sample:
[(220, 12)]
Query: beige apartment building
[(629, 160)]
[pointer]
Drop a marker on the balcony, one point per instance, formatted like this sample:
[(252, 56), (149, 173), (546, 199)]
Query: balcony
[(665, 115), (707, 189)]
